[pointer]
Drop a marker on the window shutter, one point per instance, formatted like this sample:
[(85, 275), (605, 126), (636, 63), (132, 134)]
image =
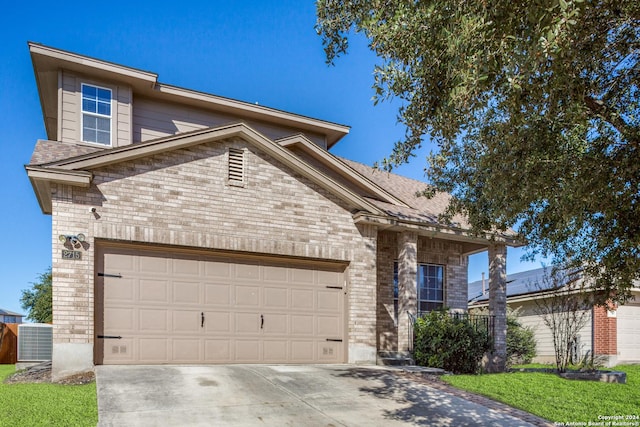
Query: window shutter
[(236, 165)]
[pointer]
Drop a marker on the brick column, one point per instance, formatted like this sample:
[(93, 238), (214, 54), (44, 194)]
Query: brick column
[(407, 285), (363, 298), (498, 305), (605, 333)]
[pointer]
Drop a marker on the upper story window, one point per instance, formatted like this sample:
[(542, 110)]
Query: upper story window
[(96, 114)]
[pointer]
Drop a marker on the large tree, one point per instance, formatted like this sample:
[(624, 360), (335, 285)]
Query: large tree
[(533, 106), (38, 300)]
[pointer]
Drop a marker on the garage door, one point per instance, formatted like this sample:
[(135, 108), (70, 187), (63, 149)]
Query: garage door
[(154, 307), (628, 337)]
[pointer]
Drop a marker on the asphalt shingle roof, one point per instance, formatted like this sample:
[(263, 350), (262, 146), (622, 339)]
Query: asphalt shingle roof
[(420, 208), (51, 151)]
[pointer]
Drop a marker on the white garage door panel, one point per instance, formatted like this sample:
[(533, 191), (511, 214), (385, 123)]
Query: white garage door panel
[(628, 321), (174, 308)]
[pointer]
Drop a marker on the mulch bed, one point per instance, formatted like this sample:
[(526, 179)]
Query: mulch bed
[(41, 373)]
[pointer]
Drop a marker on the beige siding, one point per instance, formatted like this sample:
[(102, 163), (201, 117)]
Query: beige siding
[(628, 339), (182, 198), (122, 118), (544, 339), (71, 115), (153, 119)]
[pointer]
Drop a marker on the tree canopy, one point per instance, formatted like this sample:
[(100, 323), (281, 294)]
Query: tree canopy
[(38, 300), (533, 106)]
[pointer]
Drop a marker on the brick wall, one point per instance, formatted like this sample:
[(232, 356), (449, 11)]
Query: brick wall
[(605, 332), (430, 251), (182, 198)]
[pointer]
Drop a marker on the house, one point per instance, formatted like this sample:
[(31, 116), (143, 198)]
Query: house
[(610, 334), (7, 316), (191, 228)]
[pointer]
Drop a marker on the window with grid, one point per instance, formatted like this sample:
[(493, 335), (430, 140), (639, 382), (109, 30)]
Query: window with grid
[(96, 114), (430, 287)]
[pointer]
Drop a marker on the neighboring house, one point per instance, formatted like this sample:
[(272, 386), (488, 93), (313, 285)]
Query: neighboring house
[(191, 228), (611, 334), (7, 316)]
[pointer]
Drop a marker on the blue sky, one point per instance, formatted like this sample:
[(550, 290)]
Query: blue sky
[(254, 51)]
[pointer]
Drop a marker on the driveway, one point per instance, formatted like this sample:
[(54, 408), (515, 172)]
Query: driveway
[(282, 395)]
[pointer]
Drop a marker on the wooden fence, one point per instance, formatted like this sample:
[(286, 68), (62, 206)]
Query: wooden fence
[(9, 347)]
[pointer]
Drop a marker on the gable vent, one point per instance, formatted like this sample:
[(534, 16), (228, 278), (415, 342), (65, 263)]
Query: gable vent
[(236, 165)]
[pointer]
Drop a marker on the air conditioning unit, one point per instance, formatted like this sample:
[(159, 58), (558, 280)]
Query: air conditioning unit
[(35, 342)]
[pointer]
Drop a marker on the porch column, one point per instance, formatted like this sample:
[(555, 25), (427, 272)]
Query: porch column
[(498, 305), (407, 286)]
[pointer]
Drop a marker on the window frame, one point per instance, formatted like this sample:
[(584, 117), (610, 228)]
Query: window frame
[(96, 114), (419, 282), (418, 286)]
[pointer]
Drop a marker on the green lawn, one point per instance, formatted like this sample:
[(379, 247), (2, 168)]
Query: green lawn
[(46, 404), (557, 399)]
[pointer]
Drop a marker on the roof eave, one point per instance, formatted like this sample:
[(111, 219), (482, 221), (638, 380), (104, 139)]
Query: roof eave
[(48, 61), (436, 230), (135, 151), (337, 164), (41, 179)]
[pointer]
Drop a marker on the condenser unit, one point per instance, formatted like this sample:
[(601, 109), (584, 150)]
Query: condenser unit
[(35, 342)]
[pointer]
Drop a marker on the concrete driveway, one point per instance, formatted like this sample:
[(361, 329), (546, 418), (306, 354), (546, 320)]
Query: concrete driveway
[(259, 395)]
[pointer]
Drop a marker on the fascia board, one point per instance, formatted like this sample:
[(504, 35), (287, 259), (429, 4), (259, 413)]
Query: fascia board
[(144, 149), (61, 176), (41, 179), (333, 131), (47, 59), (135, 151), (301, 167), (92, 63), (336, 163), (434, 230)]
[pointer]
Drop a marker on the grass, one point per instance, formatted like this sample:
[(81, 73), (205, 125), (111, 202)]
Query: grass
[(46, 404), (556, 399)]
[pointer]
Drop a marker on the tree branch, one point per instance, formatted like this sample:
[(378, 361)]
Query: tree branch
[(598, 108)]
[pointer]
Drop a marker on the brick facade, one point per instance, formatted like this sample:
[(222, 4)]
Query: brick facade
[(182, 198), (429, 251), (605, 332), (164, 181)]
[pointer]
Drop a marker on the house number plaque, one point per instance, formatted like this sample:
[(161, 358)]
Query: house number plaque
[(75, 255)]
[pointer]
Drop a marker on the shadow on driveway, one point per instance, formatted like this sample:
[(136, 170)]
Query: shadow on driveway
[(281, 395)]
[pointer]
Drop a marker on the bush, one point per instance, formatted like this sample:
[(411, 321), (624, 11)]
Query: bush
[(453, 344), (521, 342)]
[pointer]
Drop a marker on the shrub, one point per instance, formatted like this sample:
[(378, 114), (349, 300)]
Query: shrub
[(521, 342), (453, 344)]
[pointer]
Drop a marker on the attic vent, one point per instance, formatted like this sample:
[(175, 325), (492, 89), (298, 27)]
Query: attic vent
[(35, 342), (236, 165)]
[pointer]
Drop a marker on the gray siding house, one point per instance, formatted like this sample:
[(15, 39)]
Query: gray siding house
[(191, 228)]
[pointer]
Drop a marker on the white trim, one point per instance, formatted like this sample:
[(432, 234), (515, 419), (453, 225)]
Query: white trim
[(97, 115)]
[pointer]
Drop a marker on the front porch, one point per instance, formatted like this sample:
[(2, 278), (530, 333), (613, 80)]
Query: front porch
[(417, 274)]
